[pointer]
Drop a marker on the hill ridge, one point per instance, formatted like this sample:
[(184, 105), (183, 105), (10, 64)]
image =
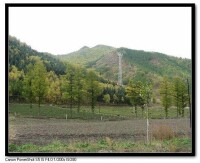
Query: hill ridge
[(136, 64)]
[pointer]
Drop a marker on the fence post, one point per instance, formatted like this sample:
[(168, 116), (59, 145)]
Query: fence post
[(147, 125), (101, 118), (66, 116)]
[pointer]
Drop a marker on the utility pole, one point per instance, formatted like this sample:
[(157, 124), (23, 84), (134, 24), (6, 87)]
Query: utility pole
[(120, 69)]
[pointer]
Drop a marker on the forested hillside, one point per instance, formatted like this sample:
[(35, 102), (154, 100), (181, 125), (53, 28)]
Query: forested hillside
[(20, 55), (86, 56), (89, 76), (136, 64)]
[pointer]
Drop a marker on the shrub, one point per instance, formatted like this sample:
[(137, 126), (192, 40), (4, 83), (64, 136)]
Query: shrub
[(162, 132)]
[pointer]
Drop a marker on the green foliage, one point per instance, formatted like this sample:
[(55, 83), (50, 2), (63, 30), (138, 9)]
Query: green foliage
[(54, 88), (136, 64), (116, 93), (70, 89), (157, 63), (20, 54), (74, 86), (104, 145), (115, 99), (50, 80), (12, 147), (106, 98), (28, 84), (93, 89), (180, 95), (139, 94), (39, 84), (165, 92), (80, 84), (86, 56), (15, 81)]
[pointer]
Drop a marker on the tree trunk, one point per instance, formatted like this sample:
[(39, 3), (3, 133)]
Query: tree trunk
[(39, 106), (136, 111), (166, 112), (189, 103), (142, 112), (93, 101)]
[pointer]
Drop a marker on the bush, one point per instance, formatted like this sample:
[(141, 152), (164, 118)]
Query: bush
[(162, 132), (12, 147)]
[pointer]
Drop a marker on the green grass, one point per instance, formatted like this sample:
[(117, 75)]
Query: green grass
[(108, 145), (107, 112), (46, 111), (154, 112)]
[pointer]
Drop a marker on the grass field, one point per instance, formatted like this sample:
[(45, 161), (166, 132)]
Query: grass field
[(106, 112), (108, 145)]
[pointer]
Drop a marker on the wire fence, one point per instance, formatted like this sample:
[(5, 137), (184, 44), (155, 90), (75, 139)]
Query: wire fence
[(121, 123)]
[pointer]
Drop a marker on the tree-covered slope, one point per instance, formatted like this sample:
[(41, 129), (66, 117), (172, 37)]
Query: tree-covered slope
[(72, 70), (86, 56), (136, 64), (153, 63), (20, 53)]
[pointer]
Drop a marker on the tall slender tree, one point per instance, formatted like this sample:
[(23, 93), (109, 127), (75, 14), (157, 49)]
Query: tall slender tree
[(176, 94), (180, 95), (39, 81), (79, 87), (183, 97), (189, 102), (93, 88), (134, 92), (165, 92), (54, 88), (70, 88), (28, 84)]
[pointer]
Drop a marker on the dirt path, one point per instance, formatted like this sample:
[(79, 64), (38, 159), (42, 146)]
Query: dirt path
[(43, 131)]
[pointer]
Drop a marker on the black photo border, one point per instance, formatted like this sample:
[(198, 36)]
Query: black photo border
[(191, 5)]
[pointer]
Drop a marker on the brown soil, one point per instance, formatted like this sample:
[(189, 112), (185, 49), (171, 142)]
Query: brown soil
[(44, 131)]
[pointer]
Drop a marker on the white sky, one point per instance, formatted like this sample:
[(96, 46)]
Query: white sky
[(64, 30)]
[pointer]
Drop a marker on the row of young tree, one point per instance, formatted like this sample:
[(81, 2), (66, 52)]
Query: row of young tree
[(79, 87), (75, 88), (139, 94), (176, 93), (37, 85)]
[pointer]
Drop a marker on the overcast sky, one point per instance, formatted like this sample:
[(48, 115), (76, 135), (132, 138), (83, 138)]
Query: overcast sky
[(64, 30)]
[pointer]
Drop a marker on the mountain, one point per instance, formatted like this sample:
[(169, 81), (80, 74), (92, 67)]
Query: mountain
[(19, 54), (136, 64), (86, 56)]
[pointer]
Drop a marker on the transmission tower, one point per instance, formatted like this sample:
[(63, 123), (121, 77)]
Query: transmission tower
[(120, 69)]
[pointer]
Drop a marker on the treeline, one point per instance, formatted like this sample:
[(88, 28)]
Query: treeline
[(175, 92), (78, 86), (39, 85)]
